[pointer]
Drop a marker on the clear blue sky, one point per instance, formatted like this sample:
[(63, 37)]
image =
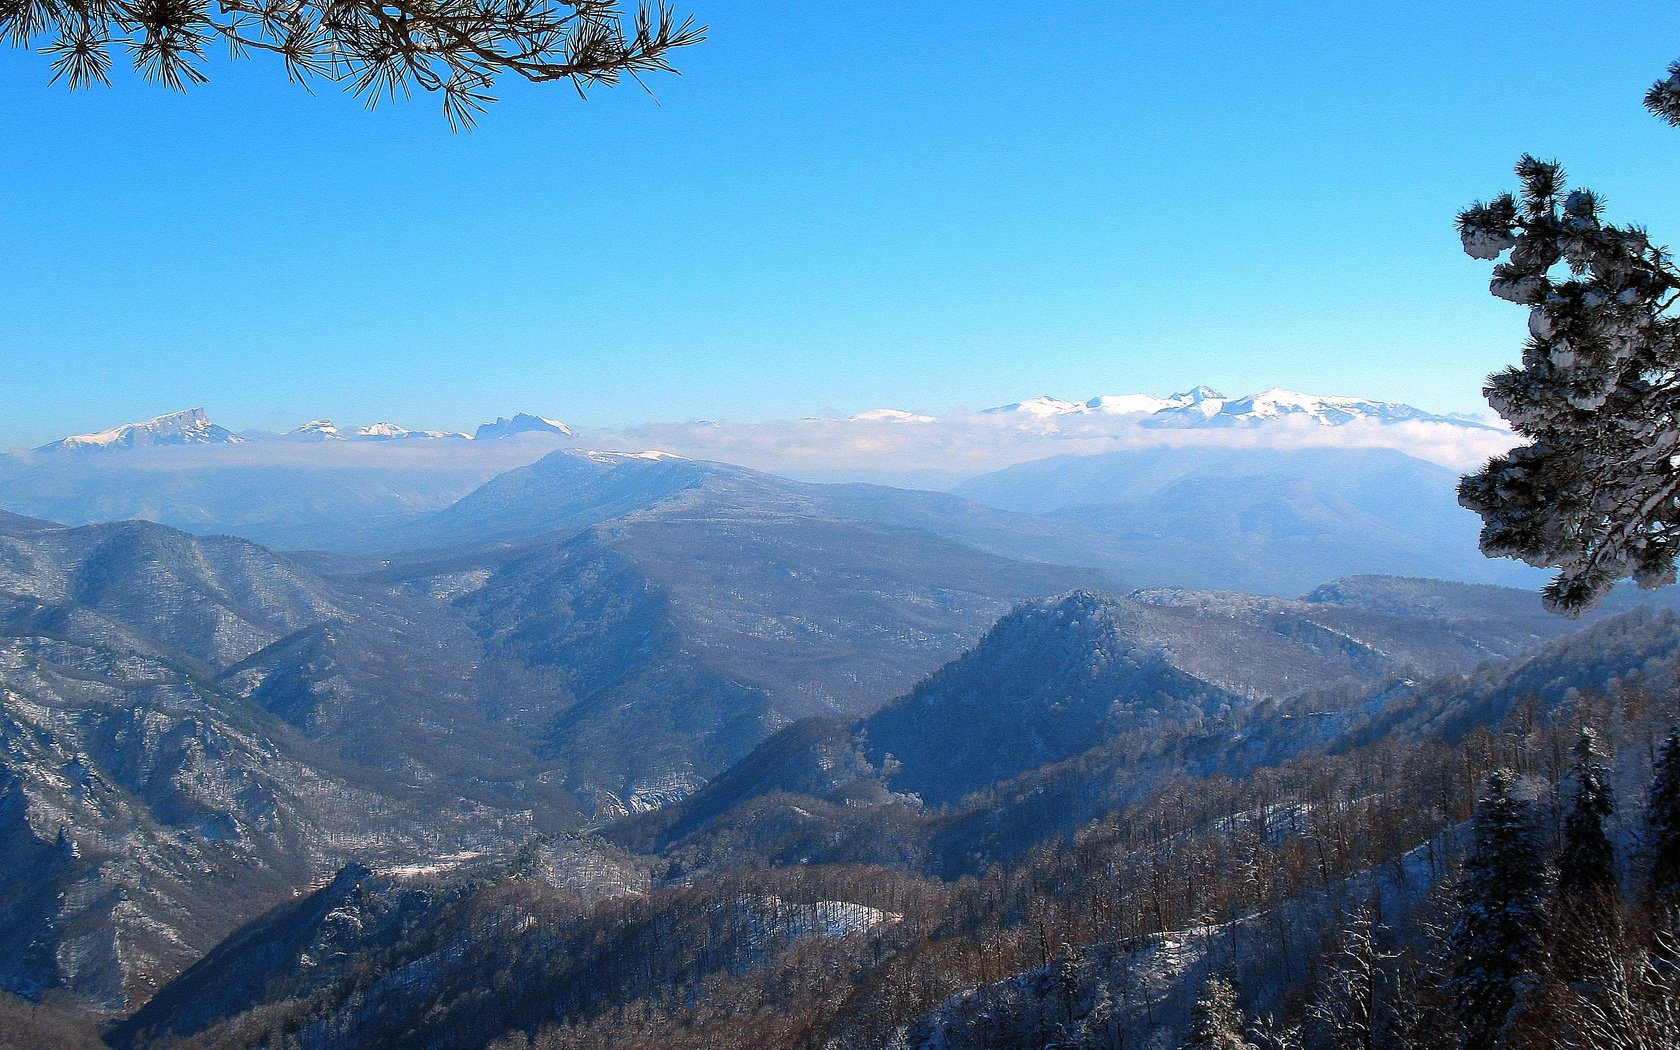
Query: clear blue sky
[(838, 206)]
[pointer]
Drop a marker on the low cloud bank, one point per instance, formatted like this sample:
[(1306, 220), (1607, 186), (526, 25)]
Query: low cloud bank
[(974, 444), (913, 451)]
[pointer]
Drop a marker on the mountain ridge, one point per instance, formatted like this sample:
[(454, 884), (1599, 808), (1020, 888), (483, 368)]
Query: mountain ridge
[(186, 427), (192, 426), (1204, 407)]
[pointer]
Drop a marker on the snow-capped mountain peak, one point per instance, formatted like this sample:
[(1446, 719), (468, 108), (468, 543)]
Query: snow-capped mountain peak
[(383, 431), (187, 427), (315, 430), (1109, 404), (522, 423), (327, 430), (1200, 392)]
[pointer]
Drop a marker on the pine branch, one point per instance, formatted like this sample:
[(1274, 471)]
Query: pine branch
[(377, 49)]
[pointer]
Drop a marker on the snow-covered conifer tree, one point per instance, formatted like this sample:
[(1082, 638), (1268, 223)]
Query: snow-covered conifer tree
[(1596, 492), (1498, 940), (1217, 1022), (1587, 897)]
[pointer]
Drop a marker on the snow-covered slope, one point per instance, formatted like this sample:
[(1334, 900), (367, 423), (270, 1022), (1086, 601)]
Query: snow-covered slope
[(1322, 410), (187, 427), (1039, 407), (1144, 404)]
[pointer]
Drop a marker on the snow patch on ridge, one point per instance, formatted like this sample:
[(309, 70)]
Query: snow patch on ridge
[(651, 455)]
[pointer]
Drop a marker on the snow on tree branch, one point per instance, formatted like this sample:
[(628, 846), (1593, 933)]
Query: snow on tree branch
[(1594, 492)]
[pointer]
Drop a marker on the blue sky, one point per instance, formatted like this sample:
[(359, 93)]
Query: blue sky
[(837, 207)]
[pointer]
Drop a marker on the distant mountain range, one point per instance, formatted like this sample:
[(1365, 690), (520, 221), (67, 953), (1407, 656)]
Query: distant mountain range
[(1204, 407), (302, 489), (1275, 521), (322, 482), (193, 427), (1200, 407), (921, 449)]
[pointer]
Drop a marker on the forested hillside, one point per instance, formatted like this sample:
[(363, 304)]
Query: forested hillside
[(1324, 875)]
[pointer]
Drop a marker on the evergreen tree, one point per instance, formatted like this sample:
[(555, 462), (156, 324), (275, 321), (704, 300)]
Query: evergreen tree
[(1497, 942), (1596, 492), (1217, 1021), (1662, 835), (1588, 925)]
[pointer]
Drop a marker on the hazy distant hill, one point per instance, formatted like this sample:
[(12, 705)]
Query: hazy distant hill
[(1058, 678), (316, 487), (1264, 520), (695, 608)]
